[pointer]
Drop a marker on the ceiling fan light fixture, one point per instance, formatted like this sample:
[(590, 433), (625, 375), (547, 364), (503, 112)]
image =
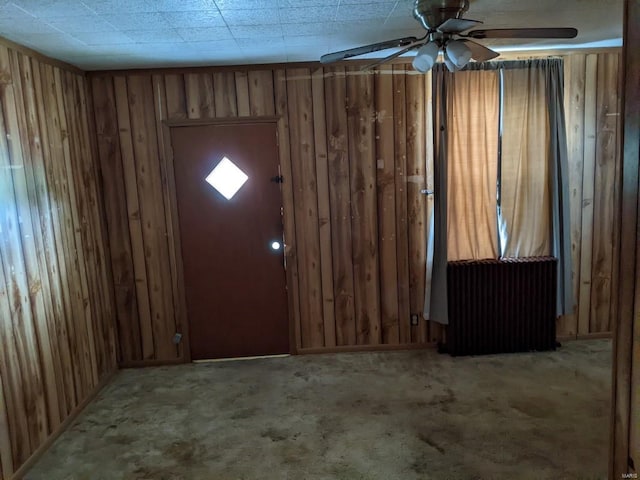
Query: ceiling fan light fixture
[(452, 67), (426, 57), (458, 53), (444, 23)]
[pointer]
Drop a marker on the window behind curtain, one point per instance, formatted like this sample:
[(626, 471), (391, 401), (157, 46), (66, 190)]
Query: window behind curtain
[(479, 151), (472, 158), (525, 195)]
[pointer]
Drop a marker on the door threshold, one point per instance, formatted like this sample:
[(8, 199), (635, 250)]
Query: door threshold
[(233, 359)]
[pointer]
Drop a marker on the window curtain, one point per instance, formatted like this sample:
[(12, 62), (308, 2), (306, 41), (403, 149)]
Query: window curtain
[(525, 194), (559, 166), (534, 181), (498, 192), (473, 103), (464, 221), (435, 304)]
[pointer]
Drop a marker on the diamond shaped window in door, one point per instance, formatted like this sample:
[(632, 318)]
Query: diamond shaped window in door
[(226, 178)]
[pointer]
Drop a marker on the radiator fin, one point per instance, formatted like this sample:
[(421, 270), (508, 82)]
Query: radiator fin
[(501, 306)]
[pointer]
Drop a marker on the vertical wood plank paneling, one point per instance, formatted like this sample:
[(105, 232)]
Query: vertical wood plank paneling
[(588, 185), (59, 197), (402, 226), (593, 126), (79, 190), (152, 214), (56, 322), (131, 197), (604, 201), (60, 301), (18, 255), (340, 204), (386, 193), (324, 213), (199, 95), (84, 341), (104, 274), (176, 97), (261, 101), (8, 390), (288, 210), (6, 456), (242, 94), (171, 215), (96, 263), (19, 393), (119, 241), (224, 88), (41, 232), (364, 217), (617, 189), (575, 69), (416, 211), (300, 104)]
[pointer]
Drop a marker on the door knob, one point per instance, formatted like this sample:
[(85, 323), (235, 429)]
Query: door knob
[(276, 245)]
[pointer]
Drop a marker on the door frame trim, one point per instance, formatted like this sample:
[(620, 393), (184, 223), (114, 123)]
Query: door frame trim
[(175, 242)]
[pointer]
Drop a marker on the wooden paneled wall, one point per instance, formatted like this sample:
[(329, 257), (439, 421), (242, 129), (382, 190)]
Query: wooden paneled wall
[(592, 107), (353, 147), (57, 329)]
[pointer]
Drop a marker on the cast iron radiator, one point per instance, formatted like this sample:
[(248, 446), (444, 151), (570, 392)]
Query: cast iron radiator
[(499, 306)]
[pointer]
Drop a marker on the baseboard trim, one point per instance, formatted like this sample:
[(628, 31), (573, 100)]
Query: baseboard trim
[(35, 456), (585, 336), (152, 363), (565, 338), (366, 348), (595, 336)]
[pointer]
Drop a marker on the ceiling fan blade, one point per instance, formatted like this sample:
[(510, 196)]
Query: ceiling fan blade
[(392, 56), (374, 47), (480, 53), (524, 33), (457, 25)]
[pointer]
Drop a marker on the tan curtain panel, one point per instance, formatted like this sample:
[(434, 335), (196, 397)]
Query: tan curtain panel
[(473, 100), (525, 198)]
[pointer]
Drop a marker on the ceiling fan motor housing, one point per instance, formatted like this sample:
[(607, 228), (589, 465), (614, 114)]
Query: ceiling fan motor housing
[(432, 13)]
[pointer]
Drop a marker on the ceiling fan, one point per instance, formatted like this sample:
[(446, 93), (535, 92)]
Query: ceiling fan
[(449, 32)]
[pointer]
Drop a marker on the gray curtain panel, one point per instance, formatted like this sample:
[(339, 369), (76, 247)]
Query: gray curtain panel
[(435, 305), (558, 157)]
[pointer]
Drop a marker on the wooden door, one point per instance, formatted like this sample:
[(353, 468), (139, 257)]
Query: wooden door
[(234, 278)]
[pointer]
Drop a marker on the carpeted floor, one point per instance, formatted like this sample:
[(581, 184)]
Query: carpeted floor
[(396, 415)]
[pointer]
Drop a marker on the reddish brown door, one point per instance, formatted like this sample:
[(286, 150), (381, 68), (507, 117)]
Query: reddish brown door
[(234, 278)]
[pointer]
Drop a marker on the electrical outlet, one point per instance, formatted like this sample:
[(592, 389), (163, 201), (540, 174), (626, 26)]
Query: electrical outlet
[(414, 319), (177, 338)]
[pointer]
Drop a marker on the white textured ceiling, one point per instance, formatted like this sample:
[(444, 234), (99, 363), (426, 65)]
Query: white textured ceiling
[(108, 34)]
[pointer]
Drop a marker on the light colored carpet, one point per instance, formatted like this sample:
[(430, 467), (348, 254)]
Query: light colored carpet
[(396, 415)]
